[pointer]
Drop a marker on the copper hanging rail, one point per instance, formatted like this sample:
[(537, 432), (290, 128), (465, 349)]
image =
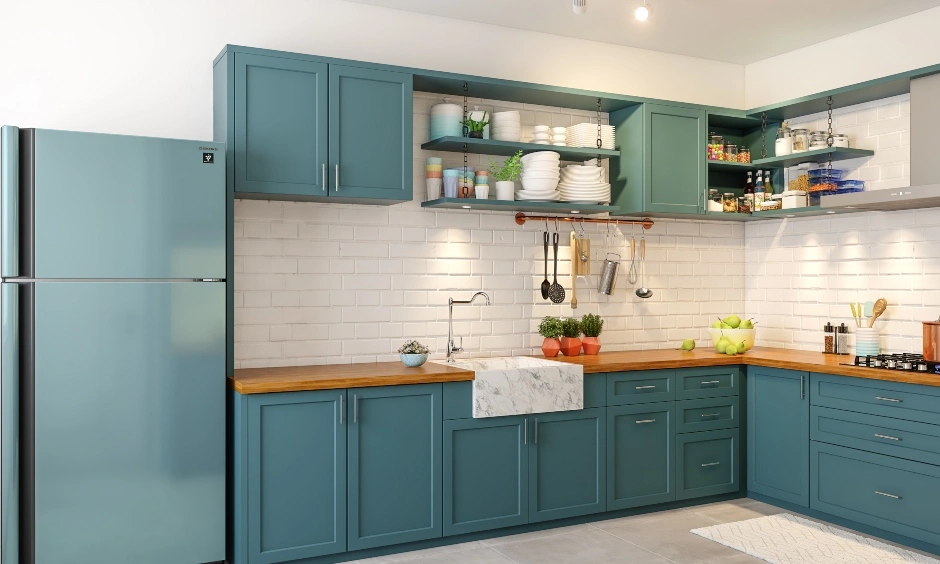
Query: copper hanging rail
[(521, 218)]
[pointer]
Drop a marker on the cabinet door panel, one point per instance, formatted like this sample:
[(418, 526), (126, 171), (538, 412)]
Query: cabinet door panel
[(567, 464), (706, 463), (675, 158), (640, 441), (280, 125)]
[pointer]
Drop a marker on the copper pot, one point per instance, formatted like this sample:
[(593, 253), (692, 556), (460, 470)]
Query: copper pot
[(932, 340)]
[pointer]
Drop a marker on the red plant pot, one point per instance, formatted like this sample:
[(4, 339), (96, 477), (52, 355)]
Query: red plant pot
[(570, 346), (590, 345), (551, 348)]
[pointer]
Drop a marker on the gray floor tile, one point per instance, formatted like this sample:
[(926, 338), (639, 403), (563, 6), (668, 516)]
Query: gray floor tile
[(439, 551), (484, 555), (537, 535), (735, 510), (581, 547)]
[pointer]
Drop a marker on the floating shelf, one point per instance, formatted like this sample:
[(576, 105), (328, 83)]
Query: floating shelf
[(809, 211), (817, 156), (517, 206), (509, 148), (730, 166)]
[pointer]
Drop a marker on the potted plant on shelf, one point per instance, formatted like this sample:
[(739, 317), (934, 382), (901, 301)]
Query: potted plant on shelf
[(475, 127), (506, 175), (570, 343), (413, 354), (550, 328), (591, 326)]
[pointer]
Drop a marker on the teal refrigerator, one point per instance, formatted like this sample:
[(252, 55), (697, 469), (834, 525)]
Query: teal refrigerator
[(113, 262)]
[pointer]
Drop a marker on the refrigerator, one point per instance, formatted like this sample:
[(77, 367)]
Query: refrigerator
[(113, 319)]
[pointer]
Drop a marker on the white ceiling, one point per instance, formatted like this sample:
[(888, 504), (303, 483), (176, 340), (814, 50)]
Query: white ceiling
[(733, 31)]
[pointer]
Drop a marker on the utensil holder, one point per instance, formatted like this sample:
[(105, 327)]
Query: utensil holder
[(608, 277), (867, 341)]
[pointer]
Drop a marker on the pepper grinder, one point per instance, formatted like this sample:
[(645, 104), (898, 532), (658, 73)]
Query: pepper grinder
[(829, 341), (842, 339)]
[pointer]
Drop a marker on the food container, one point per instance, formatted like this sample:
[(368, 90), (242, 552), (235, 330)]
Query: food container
[(731, 153), (716, 147), (932, 341), (819, 140), (800, 140), (783, 146), (714, 201), (793, 199), (840, 140), (841, 187), (801, 182), (744, 205), (744, 155), (729, 202)]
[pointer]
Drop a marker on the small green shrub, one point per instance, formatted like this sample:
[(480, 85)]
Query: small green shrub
[(571, 328), (550, 327), (592, 325)]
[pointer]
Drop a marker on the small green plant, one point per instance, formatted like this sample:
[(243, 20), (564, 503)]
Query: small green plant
[(550, 327), (571, 328), (509, 171), (592, 325), (474, 125), (413, 347)]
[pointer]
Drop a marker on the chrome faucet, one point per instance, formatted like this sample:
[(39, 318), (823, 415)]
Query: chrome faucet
[(451, 348)]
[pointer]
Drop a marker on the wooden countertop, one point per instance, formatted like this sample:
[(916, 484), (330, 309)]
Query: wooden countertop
[(299, 378)]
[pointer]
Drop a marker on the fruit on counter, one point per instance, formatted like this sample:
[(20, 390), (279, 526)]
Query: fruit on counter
[(723, 344), (688, 345), (740, 348), (733, 321), (717, 324), (731, 350), (746, 324)]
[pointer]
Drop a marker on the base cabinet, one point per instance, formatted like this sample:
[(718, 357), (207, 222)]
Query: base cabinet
[(707, 463), (640, 446)]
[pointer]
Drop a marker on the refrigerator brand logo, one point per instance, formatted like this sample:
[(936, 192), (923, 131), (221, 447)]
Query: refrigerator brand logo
[(208, 158)]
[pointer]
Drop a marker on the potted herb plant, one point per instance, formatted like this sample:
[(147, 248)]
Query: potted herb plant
[(591, 326), (506, 175), (570, 331), (475, 127), (413, 354), (550, 328)]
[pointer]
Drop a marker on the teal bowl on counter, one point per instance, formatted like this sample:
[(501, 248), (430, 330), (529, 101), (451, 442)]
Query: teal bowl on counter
[(413, 360)]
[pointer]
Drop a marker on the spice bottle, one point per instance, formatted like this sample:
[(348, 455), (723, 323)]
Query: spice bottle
[(842, 339), (829, 341)]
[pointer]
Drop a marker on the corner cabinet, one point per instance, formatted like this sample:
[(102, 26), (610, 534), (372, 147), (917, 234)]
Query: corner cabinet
[(303, 128)]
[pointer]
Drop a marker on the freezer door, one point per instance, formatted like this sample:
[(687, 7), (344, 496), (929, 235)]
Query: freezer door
[(9, 425), (114, 206), (129, 422)]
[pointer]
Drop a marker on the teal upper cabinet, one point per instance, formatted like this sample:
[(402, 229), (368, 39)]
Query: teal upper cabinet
[(370, 133), (661, 170), (778, 434), (640, 446), (394, 465)]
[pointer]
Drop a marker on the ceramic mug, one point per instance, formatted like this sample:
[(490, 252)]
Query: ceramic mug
[(434, 188), (482, 191), (450, 186)]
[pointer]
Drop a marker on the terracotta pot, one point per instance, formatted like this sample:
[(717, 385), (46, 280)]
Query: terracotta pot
[(591, 345), (551, 348), (570, 346)]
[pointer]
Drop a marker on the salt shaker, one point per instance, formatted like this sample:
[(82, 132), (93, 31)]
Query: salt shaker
[(842, 339)]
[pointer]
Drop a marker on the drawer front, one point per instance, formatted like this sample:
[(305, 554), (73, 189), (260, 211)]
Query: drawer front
[(888, 399), (694, 383), (893, 437), (893, 494), (458, 400), (710, 414), (641, 387), (707, 463)]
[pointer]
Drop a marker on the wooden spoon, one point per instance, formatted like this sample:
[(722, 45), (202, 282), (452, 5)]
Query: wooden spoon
[(880, 306)]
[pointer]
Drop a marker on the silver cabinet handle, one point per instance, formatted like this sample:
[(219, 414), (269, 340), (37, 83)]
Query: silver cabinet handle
[(641, 421), (710, 414), (536, 430), (525, 431), (705, 200), (802, 391), (341, 409), (892, 496), (337, 177), (711, 382), (355, 408), (711, 464), (323, 178), (888, 399), (890, 438), (645, 387)]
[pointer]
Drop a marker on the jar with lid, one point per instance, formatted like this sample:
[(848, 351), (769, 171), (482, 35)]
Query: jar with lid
[(714, 201), (729, 202), (819, 140), (716, 147), (800, 140), (731, 153), (783, 146), (840, 140), (744, 205), (744, 155)]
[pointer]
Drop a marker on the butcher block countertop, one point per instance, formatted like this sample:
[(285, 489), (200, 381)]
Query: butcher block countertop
[(300, 378)]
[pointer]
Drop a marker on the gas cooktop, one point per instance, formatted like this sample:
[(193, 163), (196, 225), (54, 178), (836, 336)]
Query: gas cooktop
[(906, 362)]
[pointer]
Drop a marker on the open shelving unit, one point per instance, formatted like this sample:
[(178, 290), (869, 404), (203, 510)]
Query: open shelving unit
[(518, 206), (819, 156), (509, 148)]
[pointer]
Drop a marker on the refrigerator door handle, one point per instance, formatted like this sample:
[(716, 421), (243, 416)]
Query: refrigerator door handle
[(9, 446), (9, 199)]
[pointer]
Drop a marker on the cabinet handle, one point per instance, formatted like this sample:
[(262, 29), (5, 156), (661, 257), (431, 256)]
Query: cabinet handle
[(711, 382), (641, 421), (525, 431), (887, 399), (337, 177), (355, 408), (705, 200), (323, 176), (645, 387), (536, 430), (710, 414), (892, 496), (710, 464), (890, 438), (341, 409)]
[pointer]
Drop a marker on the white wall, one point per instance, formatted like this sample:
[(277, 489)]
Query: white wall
[(897, 46), (145, 67)]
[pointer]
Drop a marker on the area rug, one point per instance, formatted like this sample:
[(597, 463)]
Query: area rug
[(788, 539)]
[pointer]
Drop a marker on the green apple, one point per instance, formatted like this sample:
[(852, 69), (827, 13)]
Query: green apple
[(733, 320), (741, 348), (688, 345)]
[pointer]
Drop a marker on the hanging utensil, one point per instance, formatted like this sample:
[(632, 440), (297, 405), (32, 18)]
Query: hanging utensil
[(556, 292), (584, 253), (545, 283), (575, 268), (643, 291), (608, 277), (880, 306), (632, 276)]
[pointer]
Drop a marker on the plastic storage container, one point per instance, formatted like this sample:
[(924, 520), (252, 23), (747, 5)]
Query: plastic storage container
[(842, 187)]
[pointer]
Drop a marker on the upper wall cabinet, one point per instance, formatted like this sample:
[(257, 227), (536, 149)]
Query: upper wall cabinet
[(302, 128)]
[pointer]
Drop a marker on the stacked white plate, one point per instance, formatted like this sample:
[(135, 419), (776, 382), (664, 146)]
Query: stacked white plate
[(585, 135), (506, 126), (540, 174), (583, 184)]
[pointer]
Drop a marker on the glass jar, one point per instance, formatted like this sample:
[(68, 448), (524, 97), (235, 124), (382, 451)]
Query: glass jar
[(730, 202), (731, 153), (783, 146), (716, 147), (800, 140), (744, 205), (840, 140), (819, 140), (744, 155), (714, 195)]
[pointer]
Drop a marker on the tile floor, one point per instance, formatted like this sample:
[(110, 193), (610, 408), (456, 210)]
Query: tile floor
[(662, 537)]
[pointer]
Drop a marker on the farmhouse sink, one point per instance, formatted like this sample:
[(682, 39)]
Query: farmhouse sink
[(519, 385)]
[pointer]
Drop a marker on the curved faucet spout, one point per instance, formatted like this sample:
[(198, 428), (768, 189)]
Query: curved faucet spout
[(485, 296), (451, 346)]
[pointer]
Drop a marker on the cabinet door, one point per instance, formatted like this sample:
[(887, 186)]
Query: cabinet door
[(640, 440), (567, 464), (707, 463), (280, 125), (778, 434), (370, 134), (297, 475), (394, 465), (486, 469), (675, 159)]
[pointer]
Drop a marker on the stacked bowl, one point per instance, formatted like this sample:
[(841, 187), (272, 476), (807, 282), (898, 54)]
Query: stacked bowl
[(583, 184), (542, 135), (559, 136), (433, 172), (482, 184), (540, 174), (506, 126), (446, 121)]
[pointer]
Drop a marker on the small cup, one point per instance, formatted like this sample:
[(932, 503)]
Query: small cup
[(481, 180), (482, 191), (560, 130), (541, 129), (451, 172), (434, 167), (434, 187), (450, 186), (435, 161), (432, 174)]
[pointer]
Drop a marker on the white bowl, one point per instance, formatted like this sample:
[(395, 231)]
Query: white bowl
[(542, 128), (735, 336), (540, 156), (506, 137), (542, 135), (559, 130), (540, 166), (540, 142), (539, 184), (559, 137)]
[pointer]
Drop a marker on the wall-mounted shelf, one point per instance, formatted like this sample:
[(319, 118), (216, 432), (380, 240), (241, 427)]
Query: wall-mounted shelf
[(730, 166), (817, 156), (509, 148), (517, 206), (809, 211)]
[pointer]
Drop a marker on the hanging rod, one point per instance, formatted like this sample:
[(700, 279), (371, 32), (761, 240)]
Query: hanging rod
[(521, 218)]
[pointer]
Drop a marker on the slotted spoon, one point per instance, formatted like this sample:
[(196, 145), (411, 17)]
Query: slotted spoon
[(556, 292)]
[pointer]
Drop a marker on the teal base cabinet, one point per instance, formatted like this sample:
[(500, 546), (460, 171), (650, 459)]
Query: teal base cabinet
[(778, 434), (707, 463), (640, 446)]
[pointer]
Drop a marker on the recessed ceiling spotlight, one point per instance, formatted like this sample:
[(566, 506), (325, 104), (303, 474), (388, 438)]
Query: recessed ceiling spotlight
[(643, 12), (465, 207), (579, 6)]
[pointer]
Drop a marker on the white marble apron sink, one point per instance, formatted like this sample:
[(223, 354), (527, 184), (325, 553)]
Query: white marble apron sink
[(519, 385)]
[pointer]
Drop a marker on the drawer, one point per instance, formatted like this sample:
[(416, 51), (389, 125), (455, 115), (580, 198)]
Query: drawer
[(707, 463), (888, 399), (707, 414), (893, 494), (694, 383), (644, 386), (893, 437)]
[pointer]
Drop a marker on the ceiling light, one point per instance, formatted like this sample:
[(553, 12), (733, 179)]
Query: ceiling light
[(643, 12), (465, 207), (575, 211), (830, 212), (579, 6)]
